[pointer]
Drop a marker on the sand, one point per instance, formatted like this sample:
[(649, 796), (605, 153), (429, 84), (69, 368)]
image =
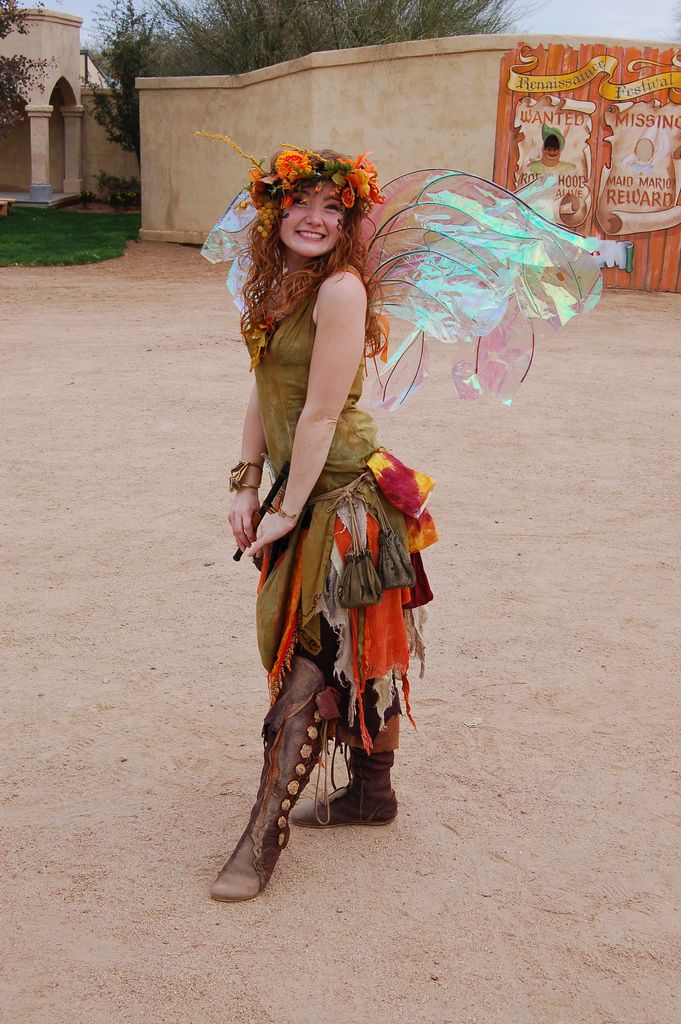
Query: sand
[(533, 874)]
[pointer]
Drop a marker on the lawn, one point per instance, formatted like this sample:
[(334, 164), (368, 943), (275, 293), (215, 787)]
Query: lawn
[(44, 238)]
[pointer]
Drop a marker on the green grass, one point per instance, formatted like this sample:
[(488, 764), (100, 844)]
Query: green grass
[(47, 238)]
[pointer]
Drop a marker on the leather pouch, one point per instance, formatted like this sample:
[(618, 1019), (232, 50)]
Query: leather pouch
[(359, 584), (394, 564)]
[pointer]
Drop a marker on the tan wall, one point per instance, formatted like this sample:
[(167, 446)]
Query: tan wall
[(15, 158), (57, 36), (419, 104), (99, 154)]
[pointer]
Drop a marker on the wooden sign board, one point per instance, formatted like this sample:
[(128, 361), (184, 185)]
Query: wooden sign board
[(607, 122)]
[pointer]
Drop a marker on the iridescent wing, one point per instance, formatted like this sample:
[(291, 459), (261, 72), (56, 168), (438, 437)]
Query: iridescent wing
[(226, 243), (466, 262)]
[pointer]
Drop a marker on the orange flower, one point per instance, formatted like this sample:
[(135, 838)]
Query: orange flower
[(348, 197), (364, 179), (255, 173), (293, 165), (375, 194), (286, 201), (258, 193), (359, 180)]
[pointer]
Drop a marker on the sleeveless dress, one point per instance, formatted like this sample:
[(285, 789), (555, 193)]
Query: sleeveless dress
[(298, 609)]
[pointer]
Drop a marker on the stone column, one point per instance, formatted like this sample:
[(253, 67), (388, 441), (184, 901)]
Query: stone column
[(41, 188), (73, 124)]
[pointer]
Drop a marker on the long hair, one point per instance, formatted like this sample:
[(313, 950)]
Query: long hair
[(271, 292)]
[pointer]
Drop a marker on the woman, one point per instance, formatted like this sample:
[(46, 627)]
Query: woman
[(341, 575), (340, 602)]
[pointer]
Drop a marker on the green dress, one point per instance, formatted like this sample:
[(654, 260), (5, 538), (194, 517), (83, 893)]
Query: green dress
[(281, 379)]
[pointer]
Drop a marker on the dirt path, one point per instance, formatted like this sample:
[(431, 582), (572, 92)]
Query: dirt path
[(533, 875)]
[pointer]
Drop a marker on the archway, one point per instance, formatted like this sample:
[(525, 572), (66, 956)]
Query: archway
[(64, 139), (55, 144)]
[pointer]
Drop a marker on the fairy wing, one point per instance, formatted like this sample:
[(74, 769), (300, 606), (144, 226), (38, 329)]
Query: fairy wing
[(226, 243), (464, 261)]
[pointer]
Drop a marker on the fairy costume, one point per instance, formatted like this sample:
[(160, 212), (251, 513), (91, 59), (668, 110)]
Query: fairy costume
[(340, 599), (301, 581)]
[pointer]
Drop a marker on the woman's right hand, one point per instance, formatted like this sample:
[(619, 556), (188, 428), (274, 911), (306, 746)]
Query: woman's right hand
[(244, 508)]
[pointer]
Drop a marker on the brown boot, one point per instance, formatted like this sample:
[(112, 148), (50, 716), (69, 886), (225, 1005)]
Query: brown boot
[(368, 800), (292, 743)]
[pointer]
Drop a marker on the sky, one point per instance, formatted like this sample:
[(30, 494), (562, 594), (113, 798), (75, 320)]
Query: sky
[(629, 19)]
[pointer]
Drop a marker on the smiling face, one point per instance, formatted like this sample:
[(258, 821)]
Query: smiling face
[(311, 226), (551, 154)]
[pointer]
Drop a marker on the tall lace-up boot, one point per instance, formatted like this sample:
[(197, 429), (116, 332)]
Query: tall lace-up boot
[(292, 735), (369, 799)]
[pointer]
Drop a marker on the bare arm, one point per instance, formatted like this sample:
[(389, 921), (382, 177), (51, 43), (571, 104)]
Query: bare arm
[(246, 502), (253, 438), (338, 348)]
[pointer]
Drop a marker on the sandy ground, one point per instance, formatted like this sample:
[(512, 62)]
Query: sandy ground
[(533, 874)]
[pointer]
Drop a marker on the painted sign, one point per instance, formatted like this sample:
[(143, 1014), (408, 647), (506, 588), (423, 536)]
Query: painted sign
[(604, 125)]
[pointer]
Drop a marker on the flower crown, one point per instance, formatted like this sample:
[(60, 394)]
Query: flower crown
[(271, 192)]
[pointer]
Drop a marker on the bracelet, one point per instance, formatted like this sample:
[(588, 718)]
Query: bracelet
[(280, 512), (238, 472)]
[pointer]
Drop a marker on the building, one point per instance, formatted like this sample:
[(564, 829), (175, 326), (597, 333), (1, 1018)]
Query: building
[(57, 149)]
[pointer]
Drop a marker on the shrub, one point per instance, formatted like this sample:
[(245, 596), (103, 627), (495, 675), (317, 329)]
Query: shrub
[(119, 192)]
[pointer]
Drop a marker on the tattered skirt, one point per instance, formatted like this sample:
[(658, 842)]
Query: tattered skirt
[(364, 652)]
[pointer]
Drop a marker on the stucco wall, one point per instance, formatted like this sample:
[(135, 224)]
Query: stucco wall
[(410, 103), (15, 158), (57, 36), (99, 154), (418, 104)]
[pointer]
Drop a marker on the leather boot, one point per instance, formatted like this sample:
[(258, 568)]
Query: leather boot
[(292, 735), (369, 799)]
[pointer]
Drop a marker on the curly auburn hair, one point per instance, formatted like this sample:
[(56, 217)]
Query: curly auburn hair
[(270, 292)]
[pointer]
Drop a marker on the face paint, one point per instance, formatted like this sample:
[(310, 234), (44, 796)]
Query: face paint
[(311, 225)]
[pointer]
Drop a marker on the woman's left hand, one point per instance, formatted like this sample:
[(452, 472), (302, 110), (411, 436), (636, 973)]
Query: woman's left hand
[(271, 528)]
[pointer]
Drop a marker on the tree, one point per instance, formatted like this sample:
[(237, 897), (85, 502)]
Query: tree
[(234, 36), (18, 75), (126, 50)]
